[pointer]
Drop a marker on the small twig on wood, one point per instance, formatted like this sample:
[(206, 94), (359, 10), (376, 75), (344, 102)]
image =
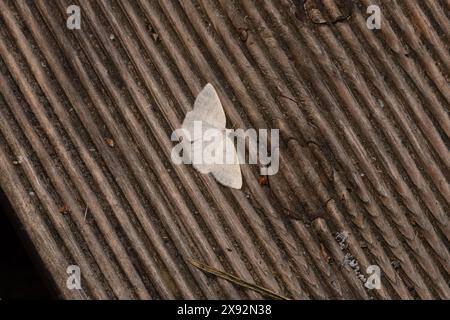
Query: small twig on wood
[(85, 214), (236, 280), (289, 98)]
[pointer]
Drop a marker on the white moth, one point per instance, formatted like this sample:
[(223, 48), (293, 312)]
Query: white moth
[(209, 116)]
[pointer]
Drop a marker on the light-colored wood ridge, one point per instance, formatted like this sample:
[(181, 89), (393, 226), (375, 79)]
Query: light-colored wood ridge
[(85, 123)]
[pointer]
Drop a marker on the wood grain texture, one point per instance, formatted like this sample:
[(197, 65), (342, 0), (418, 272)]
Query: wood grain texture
[(85, 123)]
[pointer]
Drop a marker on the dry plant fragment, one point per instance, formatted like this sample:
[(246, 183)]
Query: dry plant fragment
[(263, 291)]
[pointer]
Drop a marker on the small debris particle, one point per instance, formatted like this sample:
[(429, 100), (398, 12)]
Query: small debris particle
[(111, 37), (395, 264), (263, 180), (110, 142), (350, 261), (64, 209), (155, 36), (316, 16), (341, 238), (18, 161), (243, 34)]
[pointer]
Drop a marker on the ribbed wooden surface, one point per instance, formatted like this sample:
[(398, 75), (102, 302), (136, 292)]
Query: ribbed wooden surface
[(85, 123)]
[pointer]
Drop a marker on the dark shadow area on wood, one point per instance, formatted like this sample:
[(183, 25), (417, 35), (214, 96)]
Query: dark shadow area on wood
[(19, 277)]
